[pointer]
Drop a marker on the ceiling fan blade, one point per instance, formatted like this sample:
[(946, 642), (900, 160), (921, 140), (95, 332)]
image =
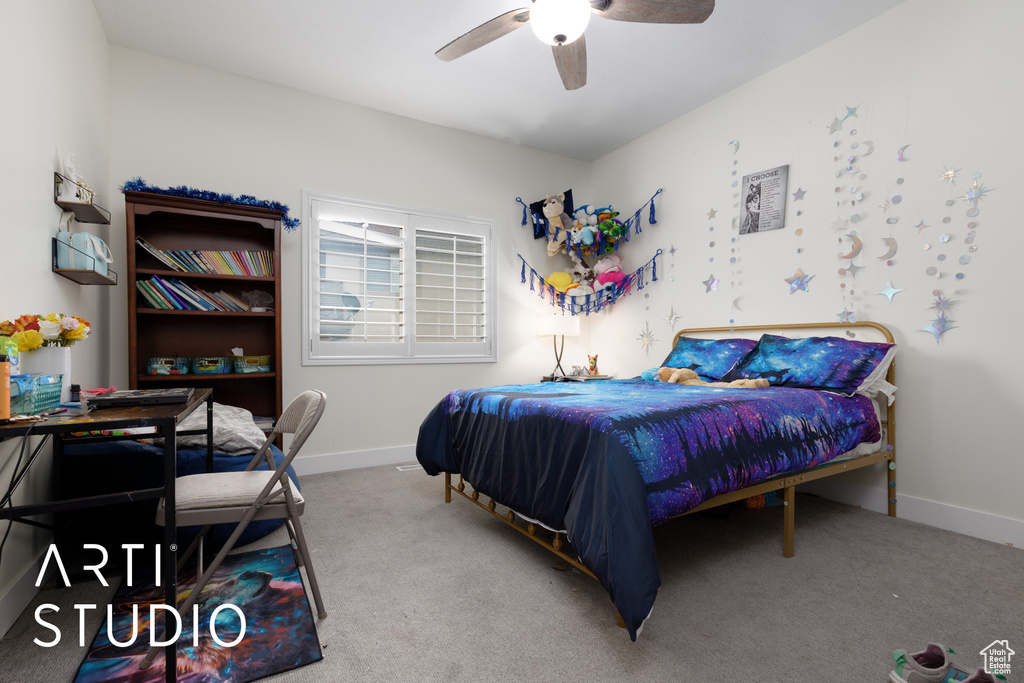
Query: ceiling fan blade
[(483, 34), (571, 61), (655, 11)]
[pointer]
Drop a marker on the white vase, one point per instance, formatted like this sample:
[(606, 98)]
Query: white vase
[(51, 360)]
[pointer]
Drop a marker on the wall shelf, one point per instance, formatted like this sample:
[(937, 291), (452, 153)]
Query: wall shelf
[(78, 199), (82, 277)]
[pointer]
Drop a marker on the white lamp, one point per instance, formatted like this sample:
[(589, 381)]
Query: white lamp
[(558, 326), (559, 22)]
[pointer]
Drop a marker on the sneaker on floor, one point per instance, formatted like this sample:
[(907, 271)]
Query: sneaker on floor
[(982, 676), (931, 665)]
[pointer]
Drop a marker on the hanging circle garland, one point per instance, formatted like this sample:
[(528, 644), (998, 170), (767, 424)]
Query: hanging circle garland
[(139, 185)]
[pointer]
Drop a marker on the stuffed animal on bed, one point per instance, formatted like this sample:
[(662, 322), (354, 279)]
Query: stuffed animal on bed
[(689, 377)]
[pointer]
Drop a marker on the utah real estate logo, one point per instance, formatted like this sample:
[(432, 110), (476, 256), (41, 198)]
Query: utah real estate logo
[(997, 657)]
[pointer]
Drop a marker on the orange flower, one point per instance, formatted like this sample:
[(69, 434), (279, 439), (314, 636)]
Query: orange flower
[(26, 322), (82, 320)]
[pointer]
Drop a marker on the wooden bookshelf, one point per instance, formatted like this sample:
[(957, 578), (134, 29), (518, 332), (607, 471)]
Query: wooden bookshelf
[(174, 223)]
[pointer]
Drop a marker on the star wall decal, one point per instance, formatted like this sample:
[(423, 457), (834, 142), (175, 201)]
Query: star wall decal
[(646, 338), (711, 283), (840, 224), (847, 316), (711, 214), (890, 291), (851, 111), (672, 318), (835, 125), (920, 226), (885, 206), (799, 281), (943, 304), (939, 326), (799, 194), (975, 194), (672, 250), (852, 269), (949, 175)]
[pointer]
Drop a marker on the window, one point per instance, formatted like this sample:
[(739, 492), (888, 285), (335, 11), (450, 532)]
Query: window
[(388, 284)]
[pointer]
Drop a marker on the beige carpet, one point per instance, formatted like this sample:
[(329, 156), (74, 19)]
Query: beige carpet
[(423, 591)]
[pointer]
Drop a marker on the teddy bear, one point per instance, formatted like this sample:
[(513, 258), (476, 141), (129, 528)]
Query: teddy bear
[(689, 377), (559, 223), (608, 271)]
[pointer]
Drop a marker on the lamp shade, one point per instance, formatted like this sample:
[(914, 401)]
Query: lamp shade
[(564, 325), (559, 22)]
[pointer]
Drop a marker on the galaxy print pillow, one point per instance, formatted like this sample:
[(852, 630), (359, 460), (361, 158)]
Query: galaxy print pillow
[(833, 364), (711, 359)]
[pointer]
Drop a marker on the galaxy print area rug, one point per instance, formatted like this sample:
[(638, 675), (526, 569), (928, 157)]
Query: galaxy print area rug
[(265, 586)]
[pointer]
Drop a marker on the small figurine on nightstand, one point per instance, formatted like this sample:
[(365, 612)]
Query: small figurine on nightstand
[(577, 370), (592, 360)]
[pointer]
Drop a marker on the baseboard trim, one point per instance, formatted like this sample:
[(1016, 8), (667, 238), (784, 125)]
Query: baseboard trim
[(941, 515), (334, 462), (19, 595)]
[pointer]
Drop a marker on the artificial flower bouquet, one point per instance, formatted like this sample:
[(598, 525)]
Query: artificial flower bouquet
[(56, 329)]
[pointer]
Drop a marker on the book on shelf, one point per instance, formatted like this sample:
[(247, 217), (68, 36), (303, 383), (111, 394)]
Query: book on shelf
[(158, 286), (157, 253), (244, 263), (185, 292), (151, 297)]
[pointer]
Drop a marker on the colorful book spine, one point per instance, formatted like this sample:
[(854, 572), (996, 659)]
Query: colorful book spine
[(168, 294), (186, 293), (151, 298)]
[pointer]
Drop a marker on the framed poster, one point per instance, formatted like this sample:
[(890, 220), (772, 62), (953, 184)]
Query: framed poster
[(763, 200)]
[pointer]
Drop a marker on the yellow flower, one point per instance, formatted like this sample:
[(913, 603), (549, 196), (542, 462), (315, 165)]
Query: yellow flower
[(53, 318), (28, 340), (78, 334), (7, 328)]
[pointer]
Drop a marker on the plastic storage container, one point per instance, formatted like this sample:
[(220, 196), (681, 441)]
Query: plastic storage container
[(248, 364), (34, 394), (212, 365), (168, 366)]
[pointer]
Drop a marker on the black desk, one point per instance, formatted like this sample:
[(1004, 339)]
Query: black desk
[(165, 418)]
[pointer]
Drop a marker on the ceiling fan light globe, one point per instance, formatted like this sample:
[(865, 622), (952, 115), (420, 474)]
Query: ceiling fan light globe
[(559, 22)]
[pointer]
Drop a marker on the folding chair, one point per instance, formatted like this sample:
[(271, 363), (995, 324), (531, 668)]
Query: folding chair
[(241, 497)]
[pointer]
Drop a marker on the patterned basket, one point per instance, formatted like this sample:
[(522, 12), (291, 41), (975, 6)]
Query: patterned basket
[(213, 365), (34, 394), (168, 366), (247, 364)]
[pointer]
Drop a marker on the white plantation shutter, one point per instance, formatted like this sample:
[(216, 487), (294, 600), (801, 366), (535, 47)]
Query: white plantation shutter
[(396, 285)]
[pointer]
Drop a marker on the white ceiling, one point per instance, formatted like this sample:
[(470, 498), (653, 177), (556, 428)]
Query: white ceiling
[(380, 54)]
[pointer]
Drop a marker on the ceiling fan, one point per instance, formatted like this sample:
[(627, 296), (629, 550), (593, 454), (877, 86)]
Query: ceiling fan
[(561, 23)]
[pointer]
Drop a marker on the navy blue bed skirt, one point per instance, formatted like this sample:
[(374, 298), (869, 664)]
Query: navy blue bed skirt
[(92, 469)]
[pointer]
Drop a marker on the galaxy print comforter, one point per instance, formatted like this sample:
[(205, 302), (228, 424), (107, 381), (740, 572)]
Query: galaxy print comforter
[(606, 460)]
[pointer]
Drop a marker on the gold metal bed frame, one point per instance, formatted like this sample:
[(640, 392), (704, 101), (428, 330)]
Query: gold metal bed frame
[(787, 482)]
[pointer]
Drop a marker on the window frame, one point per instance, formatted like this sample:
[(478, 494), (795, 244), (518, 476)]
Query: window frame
[(409, 350)]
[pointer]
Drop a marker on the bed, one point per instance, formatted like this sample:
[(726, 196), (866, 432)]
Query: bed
[(586, 469)]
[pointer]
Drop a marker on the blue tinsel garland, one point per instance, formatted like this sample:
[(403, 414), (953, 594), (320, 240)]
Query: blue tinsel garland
[(139, 185)]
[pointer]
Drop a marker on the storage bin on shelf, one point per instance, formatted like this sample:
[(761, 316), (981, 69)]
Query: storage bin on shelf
[(247, 364), (211, 365), (34, 394), (168, 366)]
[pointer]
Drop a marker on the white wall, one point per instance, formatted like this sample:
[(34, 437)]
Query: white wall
[(176, 124), (54, 89), (923, 74)]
